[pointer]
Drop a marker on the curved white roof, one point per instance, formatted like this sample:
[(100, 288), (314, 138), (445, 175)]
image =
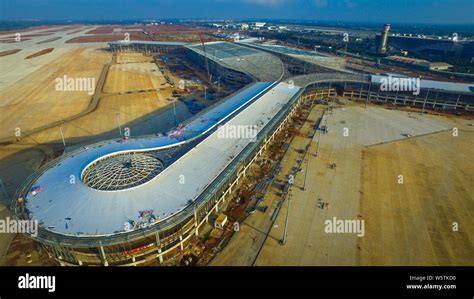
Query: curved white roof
[(76, 209)]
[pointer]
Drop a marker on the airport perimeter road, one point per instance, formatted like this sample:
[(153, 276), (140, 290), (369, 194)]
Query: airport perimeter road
[(246, 244)]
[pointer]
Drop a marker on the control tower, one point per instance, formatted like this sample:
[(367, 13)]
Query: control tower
[(384, 39)]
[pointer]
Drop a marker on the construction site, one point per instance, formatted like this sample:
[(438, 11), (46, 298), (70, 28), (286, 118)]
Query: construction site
[(356, 177), (155, 184), (144, 93)]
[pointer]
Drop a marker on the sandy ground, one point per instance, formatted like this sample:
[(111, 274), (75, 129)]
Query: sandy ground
[(345, 189), (412, 223), (155, 33), (34, 100), (15, 67), (133, 77), (138, 112), (133, 57)]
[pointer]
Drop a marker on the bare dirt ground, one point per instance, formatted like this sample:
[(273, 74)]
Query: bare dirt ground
[(412, 223), (103, 38), (404, 225), (154, 33), (42, 52), (137, 111), (15, 67), (101, 30), (134, 77), (77, 31), (34, 28), (34, 101), (133, 57), (9, 52), (48, 40)]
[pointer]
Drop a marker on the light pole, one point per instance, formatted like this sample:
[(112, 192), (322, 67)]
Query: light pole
[(319, 134), (62, 137), (174, 113), (319, 138), (118, 121), (283, 240), (291, 181), (368, 94), (308, 152), (424, 103), (205, 93), (329, 92)]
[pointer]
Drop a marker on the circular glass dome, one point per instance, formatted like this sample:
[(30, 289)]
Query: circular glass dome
[(122, 171)]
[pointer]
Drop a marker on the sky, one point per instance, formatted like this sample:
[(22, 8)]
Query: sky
[(391, 11)]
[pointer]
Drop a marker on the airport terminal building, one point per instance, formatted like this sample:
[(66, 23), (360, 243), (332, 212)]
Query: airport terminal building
[(142, 200)]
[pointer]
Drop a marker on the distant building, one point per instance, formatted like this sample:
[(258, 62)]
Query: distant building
[(434, 47), (418, 63), (468, 50), (244, 26), (439, 66), (258, 25)]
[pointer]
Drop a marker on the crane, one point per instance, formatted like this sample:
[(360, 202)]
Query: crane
[(205, 58)]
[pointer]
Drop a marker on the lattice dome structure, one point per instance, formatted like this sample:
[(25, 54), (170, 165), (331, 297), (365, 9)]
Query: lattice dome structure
[(121, 172)]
